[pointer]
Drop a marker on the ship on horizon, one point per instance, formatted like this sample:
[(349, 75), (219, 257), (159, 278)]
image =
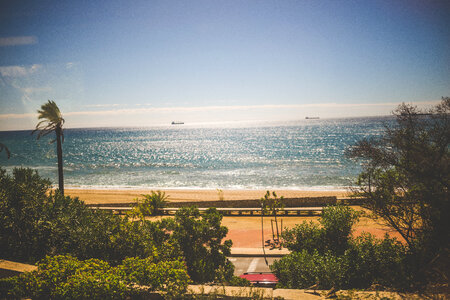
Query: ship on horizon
[(177, 123), (312, 118)]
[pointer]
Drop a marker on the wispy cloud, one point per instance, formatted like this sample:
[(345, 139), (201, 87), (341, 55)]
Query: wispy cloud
[(19, 71), (18, 41), (16, 116), (104, 105)]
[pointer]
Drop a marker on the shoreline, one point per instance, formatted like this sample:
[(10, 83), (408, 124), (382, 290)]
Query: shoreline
[(102, 196)]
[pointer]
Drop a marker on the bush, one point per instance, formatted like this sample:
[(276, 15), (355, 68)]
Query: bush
[(368, 261), (329, 256), (35, 223), (238, 281), (200, 240), (333, 235), (304, 236), (65, 277), (168, 276), (337, 222), (379, 261), (303, 269)]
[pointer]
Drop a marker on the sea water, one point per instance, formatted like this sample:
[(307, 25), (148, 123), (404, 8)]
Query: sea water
[(305, 154)]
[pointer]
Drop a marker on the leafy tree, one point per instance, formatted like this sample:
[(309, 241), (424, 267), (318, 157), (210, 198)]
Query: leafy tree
[(200, 239), (52, 121), (22, 196), (405, 181)]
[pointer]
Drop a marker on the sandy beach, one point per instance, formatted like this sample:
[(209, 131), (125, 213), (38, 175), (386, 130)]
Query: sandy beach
[(124, 196)]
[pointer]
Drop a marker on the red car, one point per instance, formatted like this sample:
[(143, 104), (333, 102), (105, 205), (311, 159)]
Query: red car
[(261, 279)]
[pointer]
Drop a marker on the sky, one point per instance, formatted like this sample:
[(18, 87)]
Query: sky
[(142, 63)]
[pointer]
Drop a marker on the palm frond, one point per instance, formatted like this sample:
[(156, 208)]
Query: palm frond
[(51, 119)]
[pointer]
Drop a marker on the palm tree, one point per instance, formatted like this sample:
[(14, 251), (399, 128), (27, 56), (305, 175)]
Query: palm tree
[(52, 121)]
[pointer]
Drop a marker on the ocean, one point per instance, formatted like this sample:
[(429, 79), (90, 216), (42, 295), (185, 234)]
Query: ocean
[(305, 154)]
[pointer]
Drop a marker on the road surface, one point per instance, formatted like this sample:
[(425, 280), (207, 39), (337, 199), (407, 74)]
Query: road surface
[(251, 264)]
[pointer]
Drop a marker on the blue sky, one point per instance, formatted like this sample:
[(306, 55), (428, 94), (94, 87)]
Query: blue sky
[(140, 63)]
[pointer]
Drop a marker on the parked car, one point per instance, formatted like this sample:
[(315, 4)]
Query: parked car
[(261, 279)]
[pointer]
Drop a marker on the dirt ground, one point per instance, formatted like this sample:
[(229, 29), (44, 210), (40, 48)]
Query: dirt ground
[(245, 232)]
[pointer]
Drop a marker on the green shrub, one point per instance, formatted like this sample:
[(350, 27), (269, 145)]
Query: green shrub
[(330, 256), (35, 223), (200, 240), (303, 269), (168, 276), (380, 261), (238, 281), (337, 222), (333, 235), (65, 277), (304, 236)]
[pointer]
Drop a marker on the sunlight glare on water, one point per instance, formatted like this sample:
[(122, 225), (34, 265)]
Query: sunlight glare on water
[(307, 154)]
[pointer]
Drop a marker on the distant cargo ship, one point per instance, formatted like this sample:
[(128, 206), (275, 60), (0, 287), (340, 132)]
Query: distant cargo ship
[(312, 118), (177, 123)]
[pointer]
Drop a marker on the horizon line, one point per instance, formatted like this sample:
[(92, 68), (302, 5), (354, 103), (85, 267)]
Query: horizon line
[(216, 108)]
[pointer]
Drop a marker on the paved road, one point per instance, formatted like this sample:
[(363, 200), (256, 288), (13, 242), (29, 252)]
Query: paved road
[(250, 264)]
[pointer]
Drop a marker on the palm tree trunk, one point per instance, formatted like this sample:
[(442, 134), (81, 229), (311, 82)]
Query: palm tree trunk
[(60, 160)]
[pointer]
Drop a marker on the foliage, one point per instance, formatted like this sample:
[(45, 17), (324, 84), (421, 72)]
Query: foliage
[(330, 256), (200, 240), (337, 222), (167, 276), (65, 277), (380, 261), (271, 204), (35, 223), (22, 197), (405, 181), (303, 269), (334, 233), (304, 236), (52, 121), (238, 281), (367, 261), (150, 205)]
